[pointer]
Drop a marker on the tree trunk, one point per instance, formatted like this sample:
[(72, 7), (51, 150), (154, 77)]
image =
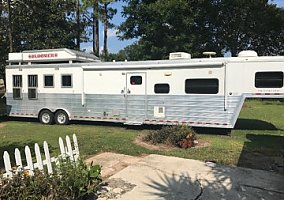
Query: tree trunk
[(10, 35), (105, 30), (78, 24), (96, 47)]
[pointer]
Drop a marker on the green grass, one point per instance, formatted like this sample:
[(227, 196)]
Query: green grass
[(260, 129)]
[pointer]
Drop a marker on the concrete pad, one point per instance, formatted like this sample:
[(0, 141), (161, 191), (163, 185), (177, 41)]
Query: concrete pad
[(170, 178)]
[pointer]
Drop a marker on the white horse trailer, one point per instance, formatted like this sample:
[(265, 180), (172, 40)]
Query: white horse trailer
[(60, 85)]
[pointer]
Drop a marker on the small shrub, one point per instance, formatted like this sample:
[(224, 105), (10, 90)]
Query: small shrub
[(180, 136), (69, 181)]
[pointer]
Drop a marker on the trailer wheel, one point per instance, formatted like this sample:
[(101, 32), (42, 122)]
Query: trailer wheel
[(61, 117), (46, 117)]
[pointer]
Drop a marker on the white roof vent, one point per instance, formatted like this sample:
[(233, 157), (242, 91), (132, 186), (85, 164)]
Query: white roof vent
[(247, 53), (179, 55), (209, 53)]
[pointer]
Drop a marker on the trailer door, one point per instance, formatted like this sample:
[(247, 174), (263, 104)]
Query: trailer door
[(135, 97)]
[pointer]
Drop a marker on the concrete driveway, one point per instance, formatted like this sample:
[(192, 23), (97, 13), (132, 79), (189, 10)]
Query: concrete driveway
[(169, 178)]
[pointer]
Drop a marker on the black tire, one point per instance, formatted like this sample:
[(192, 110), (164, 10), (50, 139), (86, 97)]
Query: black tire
[(46, 117), (61, 117)]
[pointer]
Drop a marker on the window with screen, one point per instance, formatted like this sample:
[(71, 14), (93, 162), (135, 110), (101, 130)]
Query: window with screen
[(66, 81), (136, 80), (48, 81), (17, 86), (32, 86), (269, 79), (162, 88), (202, 86)]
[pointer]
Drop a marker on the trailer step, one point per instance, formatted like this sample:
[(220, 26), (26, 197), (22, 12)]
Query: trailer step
[(135, 123)]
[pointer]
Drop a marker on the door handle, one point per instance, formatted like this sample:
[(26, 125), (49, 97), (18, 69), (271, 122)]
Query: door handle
[(128, 91)]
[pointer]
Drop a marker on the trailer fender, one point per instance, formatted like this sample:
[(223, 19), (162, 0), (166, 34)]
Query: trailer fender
[(65, 110), (55, 110)]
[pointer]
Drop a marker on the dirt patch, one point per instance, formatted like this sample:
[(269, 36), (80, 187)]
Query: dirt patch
[(2, 125), (112, 162), (163, 147)]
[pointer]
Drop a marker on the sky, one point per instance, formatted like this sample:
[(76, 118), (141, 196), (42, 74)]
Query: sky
[(114, 44)]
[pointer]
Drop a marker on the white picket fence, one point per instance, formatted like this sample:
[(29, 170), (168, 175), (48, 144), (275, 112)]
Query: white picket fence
[(65, 151)]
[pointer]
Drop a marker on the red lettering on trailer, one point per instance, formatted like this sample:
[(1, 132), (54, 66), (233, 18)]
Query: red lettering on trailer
[(43, 55)]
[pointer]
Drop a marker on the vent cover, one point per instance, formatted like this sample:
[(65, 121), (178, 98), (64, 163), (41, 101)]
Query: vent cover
[(159, 112)]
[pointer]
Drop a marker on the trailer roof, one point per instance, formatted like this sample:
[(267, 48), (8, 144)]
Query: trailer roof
[(195, 62), (51, 55), (182, 63)]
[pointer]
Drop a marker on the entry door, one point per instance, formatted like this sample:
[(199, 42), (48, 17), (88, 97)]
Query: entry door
[(135, 97)]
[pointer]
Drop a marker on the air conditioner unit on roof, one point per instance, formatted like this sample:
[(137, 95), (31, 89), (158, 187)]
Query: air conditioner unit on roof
[(179, 55)]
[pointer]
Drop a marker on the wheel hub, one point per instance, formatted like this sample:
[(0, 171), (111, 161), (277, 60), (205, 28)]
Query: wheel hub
[(45, 118), (61, 118)]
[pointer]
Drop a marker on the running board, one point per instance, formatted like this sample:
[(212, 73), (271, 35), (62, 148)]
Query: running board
[(133, 123)]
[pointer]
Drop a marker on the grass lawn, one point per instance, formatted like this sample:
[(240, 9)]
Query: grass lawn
[(259, 131)]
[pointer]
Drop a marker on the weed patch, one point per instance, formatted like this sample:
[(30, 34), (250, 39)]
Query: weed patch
[(178, 136)]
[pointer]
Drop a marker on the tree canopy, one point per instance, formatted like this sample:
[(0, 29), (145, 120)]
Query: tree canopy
[(164, 26), (38, 24), (161, 26)]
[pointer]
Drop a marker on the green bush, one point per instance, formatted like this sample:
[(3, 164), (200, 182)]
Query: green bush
[(171, 135), (69, 181)]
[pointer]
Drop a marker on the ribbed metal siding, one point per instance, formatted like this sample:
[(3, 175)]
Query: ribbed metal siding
[(203, 110)]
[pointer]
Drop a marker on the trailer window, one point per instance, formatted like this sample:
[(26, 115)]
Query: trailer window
[(32, 86), (202, 86), (48, 81), (66, 81), (268, 79), (136, 80), (17, 86), (162, 88)]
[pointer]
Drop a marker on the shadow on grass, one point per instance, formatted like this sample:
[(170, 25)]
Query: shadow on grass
[(264, 152), (19, 119), (242, 124), (212, 131), (10, 148), (113, 124), (254, 124)]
